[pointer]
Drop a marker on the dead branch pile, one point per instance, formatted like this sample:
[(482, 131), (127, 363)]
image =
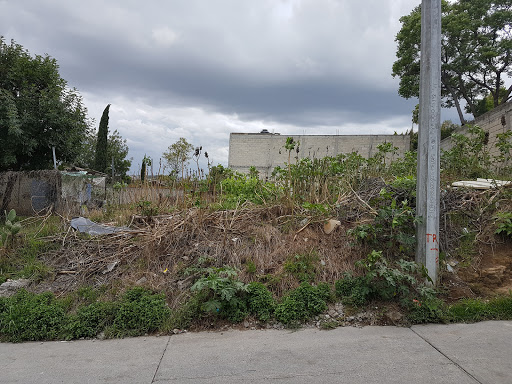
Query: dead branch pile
[(159, 255)]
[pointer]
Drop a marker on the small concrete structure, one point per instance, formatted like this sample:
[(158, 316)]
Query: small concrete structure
[(37, 191)]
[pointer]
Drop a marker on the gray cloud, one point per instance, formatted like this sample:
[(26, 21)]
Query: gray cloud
[(201, 69)]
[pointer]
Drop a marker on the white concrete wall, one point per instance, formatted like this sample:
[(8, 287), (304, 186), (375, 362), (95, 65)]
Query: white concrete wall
[(266, 151)]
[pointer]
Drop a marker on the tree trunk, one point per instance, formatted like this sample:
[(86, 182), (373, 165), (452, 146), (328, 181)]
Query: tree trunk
[(455, 100)]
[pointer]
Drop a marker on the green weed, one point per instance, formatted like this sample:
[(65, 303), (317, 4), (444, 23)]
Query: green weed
[(140, 311), (504, 224), (225, 294), (400, 281), (301, 304), (303, 266), (26, 316), (260, 301)]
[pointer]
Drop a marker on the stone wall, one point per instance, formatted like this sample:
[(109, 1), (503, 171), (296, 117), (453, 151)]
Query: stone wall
[(30, 192), (496, 121), (265, 151)]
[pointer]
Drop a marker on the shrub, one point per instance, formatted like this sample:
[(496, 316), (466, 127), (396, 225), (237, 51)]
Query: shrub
[(240, 188), (223, 292), (187, 313), (393, 229), (504, 224), (400, 282), (26, 316), (302, 266), (468, 156), (260, 301), (353, 290), (90, 320), (300, 304), (140, 311), (429, 310)]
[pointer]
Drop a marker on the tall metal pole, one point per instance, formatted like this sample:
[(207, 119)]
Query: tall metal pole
[(429, 135)]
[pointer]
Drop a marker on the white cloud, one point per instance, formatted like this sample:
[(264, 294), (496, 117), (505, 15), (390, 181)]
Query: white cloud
[(164, 36)]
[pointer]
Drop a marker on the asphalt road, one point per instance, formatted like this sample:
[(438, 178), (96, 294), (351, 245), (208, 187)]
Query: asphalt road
[(458, 353)]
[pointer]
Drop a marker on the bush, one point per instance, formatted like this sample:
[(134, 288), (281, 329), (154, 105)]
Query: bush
[(429, 310), (393, 229), (187, 313), (400, 281), (260, 301), (353, 290), (26, 316), (300, 304), (224, 294), (140, 311), (90, 320), (504, 224), (302, 266)]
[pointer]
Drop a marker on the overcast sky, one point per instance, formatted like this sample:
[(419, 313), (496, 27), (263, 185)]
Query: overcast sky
[(201, 69)]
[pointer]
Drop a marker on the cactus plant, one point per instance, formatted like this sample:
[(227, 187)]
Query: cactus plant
[(10, 229)]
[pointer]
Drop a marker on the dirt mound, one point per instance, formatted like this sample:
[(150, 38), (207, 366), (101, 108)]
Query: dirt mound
[(491, 273), (257, 241)]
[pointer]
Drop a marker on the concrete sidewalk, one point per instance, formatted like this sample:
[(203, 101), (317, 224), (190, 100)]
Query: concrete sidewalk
[(460, 353)]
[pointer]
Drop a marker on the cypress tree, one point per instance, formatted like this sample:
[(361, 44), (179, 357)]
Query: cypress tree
[(100, 158)]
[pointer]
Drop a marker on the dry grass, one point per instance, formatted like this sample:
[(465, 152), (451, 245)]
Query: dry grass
[(161, 253)]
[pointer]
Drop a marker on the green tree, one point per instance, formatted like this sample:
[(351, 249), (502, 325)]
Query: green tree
[(177, 156), (476, 53), (485, 104), (116, 148), (100, 158), (146, 162), (37, 111)]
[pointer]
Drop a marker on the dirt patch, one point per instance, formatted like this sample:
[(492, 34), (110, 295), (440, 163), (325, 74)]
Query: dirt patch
[(491, 273)]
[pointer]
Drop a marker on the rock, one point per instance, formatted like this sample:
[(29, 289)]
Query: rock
[(101, 336), (142, 280), (394, 316), (10, 287), (246, 324), (339, 307), (333, 313), (494, 275), (331, 225)]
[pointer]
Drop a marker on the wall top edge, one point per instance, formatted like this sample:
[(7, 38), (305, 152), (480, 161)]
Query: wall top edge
[(281, 135)]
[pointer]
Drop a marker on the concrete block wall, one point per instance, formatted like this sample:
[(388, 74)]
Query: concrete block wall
[(494, 122), (266, 151)]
